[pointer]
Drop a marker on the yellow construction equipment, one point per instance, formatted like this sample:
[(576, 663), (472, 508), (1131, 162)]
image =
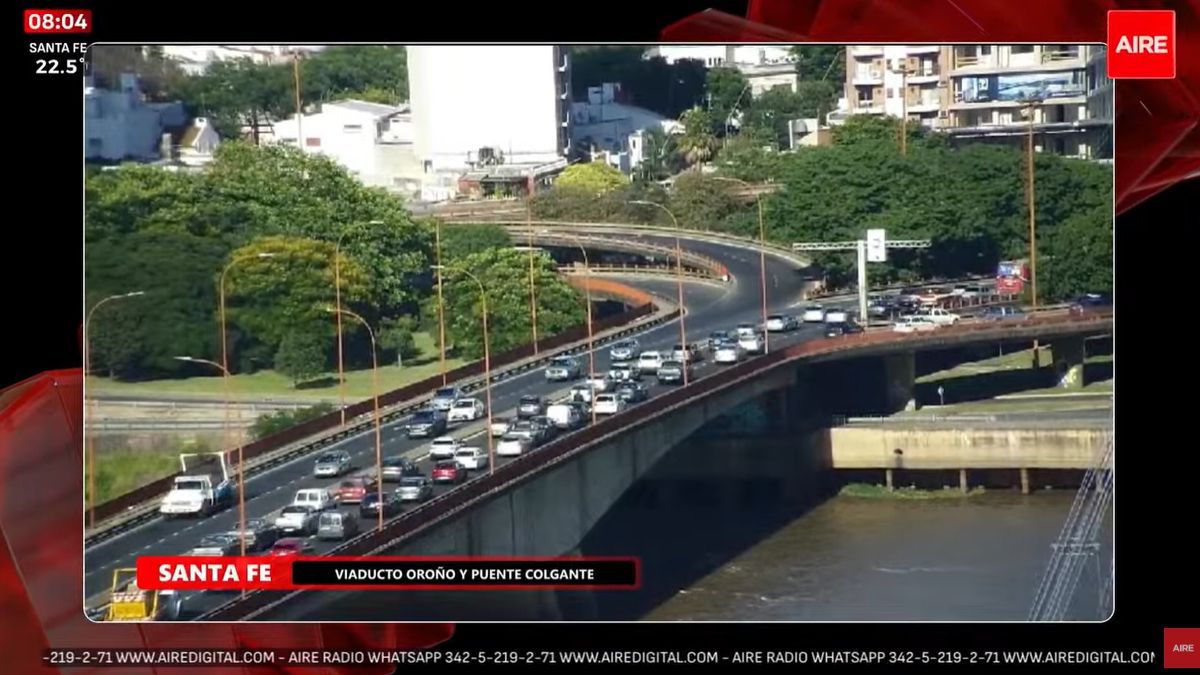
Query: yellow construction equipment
[(130, 603)]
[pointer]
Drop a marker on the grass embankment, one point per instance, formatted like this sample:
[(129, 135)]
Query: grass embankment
[(269, 384), (866, 491), (1020, 360), (121, 471)]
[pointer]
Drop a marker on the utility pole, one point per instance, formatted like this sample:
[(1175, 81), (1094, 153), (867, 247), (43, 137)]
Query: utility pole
[(1030, 105), (903, 70), (299, 114), (871, 249)]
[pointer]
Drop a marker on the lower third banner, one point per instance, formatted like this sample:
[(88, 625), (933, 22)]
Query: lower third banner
[(379, 572)]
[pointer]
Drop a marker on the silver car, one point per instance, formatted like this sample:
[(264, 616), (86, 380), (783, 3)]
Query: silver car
[(414, 489), (562, 370), (331, 464), (625, 350), (444, 398), (337, 525)]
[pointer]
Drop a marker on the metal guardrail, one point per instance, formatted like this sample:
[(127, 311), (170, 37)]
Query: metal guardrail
[(657, 270), (527, 467), (687, 258)]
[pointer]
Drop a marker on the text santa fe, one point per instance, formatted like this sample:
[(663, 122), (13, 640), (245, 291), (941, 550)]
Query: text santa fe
[(218, 573)]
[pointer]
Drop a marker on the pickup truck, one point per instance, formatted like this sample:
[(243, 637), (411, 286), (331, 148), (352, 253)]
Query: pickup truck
[(199, 493), (939, 316), (196, 496)]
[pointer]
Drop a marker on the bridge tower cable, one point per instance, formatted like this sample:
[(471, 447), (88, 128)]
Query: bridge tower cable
[(1078, 542)]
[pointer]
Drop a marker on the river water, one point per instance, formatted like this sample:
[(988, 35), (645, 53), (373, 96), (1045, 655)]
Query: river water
[(977, 558)]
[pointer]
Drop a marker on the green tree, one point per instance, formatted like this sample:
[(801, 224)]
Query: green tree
[(177, 316), (771, 112), (660, 156), (504, 273), (460, 240), (157, 75), (726, 90), (302, 356), (237, 93), (749, 156), (1077, 256), (283, 286), (592, 177), (825, 63), (702, 202), (697, 143), (396, 334), (666, 88), (379, 71)]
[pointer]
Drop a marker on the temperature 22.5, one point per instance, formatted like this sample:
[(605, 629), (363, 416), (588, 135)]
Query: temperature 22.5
[(63, 66)]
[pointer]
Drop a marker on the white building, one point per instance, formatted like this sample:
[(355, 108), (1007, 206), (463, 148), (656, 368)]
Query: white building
[(482, 105), (196, 145), (374, 142), (614, 131), (764, 66), (896, 80), (121, 125), (195, 59)]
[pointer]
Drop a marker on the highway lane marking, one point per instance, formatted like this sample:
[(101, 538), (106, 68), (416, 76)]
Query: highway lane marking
[(396, 424)]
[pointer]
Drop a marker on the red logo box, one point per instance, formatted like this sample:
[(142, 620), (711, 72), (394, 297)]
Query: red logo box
[(1141, 44), (1181, 648)]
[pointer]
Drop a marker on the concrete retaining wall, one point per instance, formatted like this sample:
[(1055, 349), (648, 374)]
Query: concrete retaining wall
[(874, 448)]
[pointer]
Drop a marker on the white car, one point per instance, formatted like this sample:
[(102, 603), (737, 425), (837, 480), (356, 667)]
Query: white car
[(836, 316), (302, 519), (465, 410), (939, 316), (512, 445), (500, 426), (623, 373), (778, 323), (599, 382), (650, 362), (582, 392), (744, 329), (471, 458), (814, 314), (913, 324), (751, 344), (728, 352), (609, 404), (443, 447)]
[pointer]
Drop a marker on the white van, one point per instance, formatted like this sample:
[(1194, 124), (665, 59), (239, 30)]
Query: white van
[(564, 416), (835, 316), (316, 498)]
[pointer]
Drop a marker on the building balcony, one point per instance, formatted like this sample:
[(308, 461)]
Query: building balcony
[(973, 62), (1072, 55), (923, 49), (867, 50), (867, 108), (871, 76), (924, 76)]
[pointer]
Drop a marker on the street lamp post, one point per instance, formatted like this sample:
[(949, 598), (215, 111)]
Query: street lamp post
[(91, 441), (437, 258), (487, 362), (337, 286), (903, 71), (241, 481), (1030, 105), (532, 282), (679, 282), (762, 256), (587, 288), (375, 391)]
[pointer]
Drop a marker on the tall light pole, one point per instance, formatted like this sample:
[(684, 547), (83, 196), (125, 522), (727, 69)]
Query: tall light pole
[(1030, 106), (299, 112), (762, 256), (91, 441), (587, 288), (903, 70), (241, 481), (375, 391), (437, 259), (532, 282), (487, 361), (679, 282), (337, 286)]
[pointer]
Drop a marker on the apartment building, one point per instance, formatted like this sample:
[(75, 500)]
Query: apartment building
[(994, 87), (983, 93), (897, 80), (765, 67)]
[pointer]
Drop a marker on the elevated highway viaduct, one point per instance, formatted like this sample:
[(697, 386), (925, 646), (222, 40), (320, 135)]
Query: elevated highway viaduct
[(557, 500)]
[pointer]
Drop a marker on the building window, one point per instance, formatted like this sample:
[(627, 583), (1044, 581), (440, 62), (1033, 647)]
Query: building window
[(427, 166), (352, 128), (312, 142), (289, 140), (1022, 49)]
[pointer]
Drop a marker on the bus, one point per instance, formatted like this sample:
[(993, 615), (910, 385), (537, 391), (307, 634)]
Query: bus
[(1011, 276)]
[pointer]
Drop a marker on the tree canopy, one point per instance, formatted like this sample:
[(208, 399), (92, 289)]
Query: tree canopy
[(591, 177), (666, 88)]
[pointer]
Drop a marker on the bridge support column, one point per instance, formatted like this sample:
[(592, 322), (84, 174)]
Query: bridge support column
[(900, 375), (962, 481), (1068, 355), (887, 475), (1024, 481)]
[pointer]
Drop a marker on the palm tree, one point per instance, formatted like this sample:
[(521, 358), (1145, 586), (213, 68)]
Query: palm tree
[(697, 143)]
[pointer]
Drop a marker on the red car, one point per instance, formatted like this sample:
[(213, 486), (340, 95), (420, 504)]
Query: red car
[(351, 490), (448, 472), (290, 546)]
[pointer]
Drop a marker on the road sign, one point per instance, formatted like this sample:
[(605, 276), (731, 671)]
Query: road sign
[(876, 246)]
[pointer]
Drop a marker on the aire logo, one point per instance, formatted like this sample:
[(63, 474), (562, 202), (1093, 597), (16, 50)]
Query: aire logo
[(1141, 44)]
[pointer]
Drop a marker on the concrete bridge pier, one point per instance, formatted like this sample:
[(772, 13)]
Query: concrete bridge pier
[(1069, 354), (900, 377)]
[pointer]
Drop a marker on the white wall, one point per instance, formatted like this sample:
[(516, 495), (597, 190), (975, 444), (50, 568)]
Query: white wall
[(331, 128), (467, 97), (119, 125)]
